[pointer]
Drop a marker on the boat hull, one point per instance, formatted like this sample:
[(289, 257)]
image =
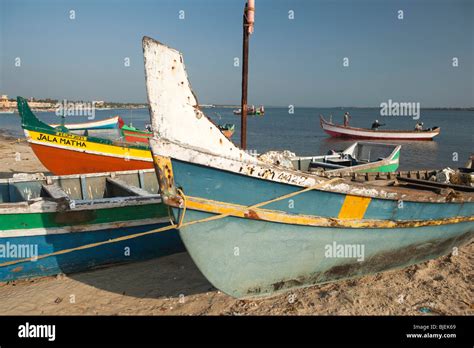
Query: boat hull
[(247, 258), (64, 153), (44, 233), (254, 254), (62, 161)]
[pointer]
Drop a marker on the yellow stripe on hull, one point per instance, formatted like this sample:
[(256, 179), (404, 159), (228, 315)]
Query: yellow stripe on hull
[(240, 211), (354, 207), (80, 143)]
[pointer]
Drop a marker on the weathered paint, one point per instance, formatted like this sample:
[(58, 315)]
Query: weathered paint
[(143, 248), (354, 207), (29, 219), (174, 107), (247, 257)]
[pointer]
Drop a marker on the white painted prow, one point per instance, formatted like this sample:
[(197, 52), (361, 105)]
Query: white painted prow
[(174, 110)]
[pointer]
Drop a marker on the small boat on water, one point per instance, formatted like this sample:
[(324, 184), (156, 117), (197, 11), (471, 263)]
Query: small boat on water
[(335, 130), (135, 135), (254, 228), (251, 111), (360, 157), (47, 214)]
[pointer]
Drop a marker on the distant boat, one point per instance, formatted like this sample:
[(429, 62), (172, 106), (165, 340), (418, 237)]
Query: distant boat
[(251, 111), (360, 157), (135, 135), (335, 130), (7, 111), (57, 213)]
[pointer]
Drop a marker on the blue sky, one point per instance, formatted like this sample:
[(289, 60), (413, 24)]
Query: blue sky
[(298, 62)]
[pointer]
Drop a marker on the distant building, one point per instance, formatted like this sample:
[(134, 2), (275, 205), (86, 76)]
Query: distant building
[(98, 103), (5, 103)]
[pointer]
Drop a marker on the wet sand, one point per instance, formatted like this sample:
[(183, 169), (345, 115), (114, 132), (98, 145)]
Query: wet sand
[(173, 285)]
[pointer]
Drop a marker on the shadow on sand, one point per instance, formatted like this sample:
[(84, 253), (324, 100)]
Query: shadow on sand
[(167, 276)]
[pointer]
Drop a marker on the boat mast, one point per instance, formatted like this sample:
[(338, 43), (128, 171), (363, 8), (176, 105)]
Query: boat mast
[(248, 21)]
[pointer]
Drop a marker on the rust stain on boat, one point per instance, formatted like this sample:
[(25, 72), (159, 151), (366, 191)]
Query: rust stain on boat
[(252, 214)]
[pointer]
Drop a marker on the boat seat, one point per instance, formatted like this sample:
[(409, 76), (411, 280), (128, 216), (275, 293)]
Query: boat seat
[(55, 191), (325, 165), (120, 187)]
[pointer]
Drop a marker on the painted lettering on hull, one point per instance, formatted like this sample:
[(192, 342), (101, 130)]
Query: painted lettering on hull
[(62, 141)]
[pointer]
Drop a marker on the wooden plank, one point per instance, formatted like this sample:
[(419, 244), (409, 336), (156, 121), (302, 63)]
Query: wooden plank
[(55, 191), (132, 190)]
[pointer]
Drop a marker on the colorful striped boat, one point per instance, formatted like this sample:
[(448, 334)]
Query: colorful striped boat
[(340, 131), (41, 215), (254, 229), (63, 152)]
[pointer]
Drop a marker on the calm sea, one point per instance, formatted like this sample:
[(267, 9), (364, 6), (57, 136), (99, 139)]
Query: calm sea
[(300, 132)]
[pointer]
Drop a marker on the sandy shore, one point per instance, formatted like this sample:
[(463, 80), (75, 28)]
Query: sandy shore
[(17, 156), (173, 285)]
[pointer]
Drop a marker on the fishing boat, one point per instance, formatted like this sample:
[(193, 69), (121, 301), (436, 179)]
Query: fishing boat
[(251, 111), (336, 130), (255, 229), (227, 129), (135, 135), (113, 128), (360, 157), (115, 122), (41, 215), (63, 152)]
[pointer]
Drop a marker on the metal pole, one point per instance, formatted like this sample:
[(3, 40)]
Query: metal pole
[(245, 70)]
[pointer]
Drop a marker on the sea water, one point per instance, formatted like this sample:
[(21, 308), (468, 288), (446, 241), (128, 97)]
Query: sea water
[(298, 130)]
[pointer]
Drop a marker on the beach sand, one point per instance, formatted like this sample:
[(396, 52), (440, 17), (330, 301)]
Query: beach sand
[(173, 285)]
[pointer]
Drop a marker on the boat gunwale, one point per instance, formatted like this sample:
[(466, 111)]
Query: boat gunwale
[(411, 196)]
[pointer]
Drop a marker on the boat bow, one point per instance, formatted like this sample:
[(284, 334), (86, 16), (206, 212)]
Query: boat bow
[(174, 109)]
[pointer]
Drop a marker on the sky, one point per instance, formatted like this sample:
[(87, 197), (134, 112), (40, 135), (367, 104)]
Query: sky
[(295, 61)]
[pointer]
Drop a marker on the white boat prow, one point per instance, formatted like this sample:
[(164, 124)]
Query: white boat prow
[(174, 109)]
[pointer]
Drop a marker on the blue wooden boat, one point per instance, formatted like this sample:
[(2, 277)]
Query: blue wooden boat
[(41, 215), (254, 229)]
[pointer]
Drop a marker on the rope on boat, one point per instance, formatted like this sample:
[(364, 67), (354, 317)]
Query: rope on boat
[(167, 228)]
